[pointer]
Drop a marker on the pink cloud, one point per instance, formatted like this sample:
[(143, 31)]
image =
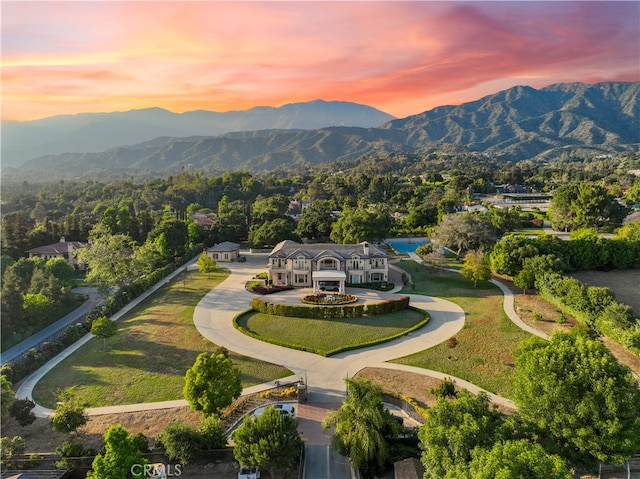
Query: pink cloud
[(402, 57)]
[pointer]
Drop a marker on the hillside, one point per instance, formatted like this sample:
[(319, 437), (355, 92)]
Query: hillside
[(514, 124), (96, 132)]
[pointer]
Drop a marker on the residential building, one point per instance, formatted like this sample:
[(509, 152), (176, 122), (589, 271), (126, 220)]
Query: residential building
[(62, 249), (326, 266), (224, 252)]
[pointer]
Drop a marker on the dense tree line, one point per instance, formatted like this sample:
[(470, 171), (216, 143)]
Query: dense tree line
[(146, 226)]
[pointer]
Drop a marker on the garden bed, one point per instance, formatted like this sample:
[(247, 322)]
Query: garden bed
[(329, 299)]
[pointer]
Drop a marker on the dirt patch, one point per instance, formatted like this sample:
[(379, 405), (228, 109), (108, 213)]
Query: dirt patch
[(624, 283), (531, 306), (413, 385), (41, 438)]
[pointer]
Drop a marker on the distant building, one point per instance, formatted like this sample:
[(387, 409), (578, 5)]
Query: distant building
[(326, 266), (204, 220), (513, 189), (225, 251), (62, 249)]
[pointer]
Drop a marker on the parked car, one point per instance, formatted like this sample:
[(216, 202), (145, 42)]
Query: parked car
[(285, 410), (242, 259), (249, 473)]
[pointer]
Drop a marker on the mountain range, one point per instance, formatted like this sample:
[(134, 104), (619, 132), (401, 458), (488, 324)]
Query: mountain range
[(96, 132), (514, 124)]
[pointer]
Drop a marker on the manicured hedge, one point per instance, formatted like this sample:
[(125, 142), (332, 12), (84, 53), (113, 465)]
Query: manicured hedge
[(580, 254), (328, 312), (277, 342)]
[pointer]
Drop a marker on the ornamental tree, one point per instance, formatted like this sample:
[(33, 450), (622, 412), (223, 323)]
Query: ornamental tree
[(103, 328), (206, 264), (212, 383), (476, 267), (574, 390), (270, 441), (515, 460), (122, 458), (453, 429), (69, 416)]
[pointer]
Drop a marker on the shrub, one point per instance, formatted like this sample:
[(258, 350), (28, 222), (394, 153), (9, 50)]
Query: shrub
[(185, 444), (141, 442), (453, 342), (10, 448), (446, 388), (180, 442), (22, 411)]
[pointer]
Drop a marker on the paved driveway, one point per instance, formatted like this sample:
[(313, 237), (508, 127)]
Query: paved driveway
[(324, 376)]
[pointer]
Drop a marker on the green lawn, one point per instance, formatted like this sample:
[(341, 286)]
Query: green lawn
[(147, 359), (483, 355), (529, 231), (329, 336)]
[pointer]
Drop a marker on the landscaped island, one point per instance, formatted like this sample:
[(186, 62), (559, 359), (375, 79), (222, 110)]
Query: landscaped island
[(328, 330)]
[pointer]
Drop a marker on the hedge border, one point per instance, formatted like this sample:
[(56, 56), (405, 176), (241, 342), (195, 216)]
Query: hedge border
[(332, 352), (330, 312)]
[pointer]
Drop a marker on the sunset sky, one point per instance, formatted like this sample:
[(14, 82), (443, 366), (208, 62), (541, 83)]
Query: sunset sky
[(401, 57)]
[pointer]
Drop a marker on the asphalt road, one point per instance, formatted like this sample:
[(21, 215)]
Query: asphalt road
[(40, 337)]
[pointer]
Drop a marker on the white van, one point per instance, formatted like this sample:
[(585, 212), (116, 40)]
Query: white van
[(285, 409)]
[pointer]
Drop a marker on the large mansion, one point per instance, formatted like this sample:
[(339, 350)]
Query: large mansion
[(326, 266)]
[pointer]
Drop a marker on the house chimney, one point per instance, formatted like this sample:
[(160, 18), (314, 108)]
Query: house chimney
[(365, 247), (62, 240)]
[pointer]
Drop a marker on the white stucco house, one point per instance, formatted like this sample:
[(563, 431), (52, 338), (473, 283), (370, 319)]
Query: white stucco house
[(326, 266)]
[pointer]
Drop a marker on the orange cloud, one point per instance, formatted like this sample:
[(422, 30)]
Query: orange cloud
[(401, 57)]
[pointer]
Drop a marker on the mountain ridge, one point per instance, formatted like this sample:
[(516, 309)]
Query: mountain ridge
[(514, 124), (97, 132)]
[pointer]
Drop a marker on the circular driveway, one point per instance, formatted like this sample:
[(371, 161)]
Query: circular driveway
[(324, 376)]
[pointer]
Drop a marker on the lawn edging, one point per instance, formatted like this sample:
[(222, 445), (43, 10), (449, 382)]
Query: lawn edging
[(332, 352)]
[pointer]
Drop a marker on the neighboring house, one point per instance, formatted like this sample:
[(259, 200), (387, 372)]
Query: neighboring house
[(326, 266), (204, 220), (225, 251), (63, 249)]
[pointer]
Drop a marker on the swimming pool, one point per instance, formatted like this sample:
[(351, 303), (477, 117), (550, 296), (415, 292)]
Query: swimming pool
[(406, 245)]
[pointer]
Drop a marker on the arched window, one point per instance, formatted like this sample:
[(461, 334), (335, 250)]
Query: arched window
[(328, 263)]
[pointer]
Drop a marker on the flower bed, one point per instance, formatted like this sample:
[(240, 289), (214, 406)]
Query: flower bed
[(329, 299)]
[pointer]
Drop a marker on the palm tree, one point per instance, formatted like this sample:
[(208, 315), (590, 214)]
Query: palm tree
[(362, 424)]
